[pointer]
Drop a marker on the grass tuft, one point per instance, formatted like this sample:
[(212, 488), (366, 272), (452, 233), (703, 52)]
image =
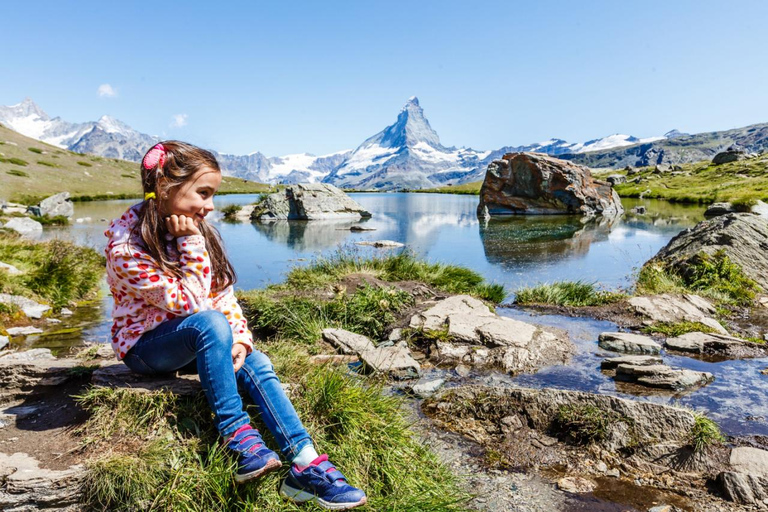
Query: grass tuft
[(585, 424), (673, 330), (567, 293), (705, 432), (231, 210)]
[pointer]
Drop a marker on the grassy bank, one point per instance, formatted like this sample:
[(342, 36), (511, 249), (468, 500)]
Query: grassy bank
[(703, 182), (162, 451), (31, 170), (566, 293), (472, 188), (54, 272)]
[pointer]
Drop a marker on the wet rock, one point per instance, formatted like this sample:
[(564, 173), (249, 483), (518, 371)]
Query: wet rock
[(674, 309), (58, 204), (628, 342), (23, 331), (612, 362), (575, 484), (743, 237), (535, 184), (119, 376), (29, 307), (395, 361), (24, 485), (348, 342), (662, 377), (716, 344), (25, 226), (309, 201), (716, 209), (381, 243), (10, 269), (425, 387)]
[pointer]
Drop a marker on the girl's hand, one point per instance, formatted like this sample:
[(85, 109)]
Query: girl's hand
[(181, 225), (239, 351)]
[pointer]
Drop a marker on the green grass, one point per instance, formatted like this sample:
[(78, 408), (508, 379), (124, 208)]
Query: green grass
[(705, 432), (36, 150), (715, 277), (472, 188), (16, 172), (584, 424), (567, 293), (56, 272), (47, 164), (179, 464), (84, 164), (231, 210), (47, 220), (403, 266), (703, 182), (673, 330), (15, 161)]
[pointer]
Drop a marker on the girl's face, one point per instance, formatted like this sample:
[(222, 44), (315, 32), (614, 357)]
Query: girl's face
[(194, 197)]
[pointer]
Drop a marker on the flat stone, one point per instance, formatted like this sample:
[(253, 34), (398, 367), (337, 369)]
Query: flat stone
[(396, 361), (663, 377), (32, 371), (746, 459), (611, 363), (501, 331), (436, 317), (425, 387), (10, 269), (66, 312), (381, 243), (716, 344), (28, 306), (23, 331), (347, 342), (628, 342), (674, 309), (24, 485), (396, 334), (119, 376), (333, 359), (575, 484)]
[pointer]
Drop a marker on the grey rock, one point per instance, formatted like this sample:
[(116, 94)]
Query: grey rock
[(24, 485), (425, 387), (628, 342), (662, 377), (244, 214), (10, 269), (23, 331), (4, 340), (32, 371), (381, 243), (743, 488), (613, 473), (309, 201), (119, 376), (746, 459), (716, 344), (674, 309), (729, 155), (716, 209), (395, 361), (638, 210), (58, 204), (575, 484), (25, 226), (29, 307), (348, 342), (396, 335), (743, 237), (661, 168), (65, 312), (612, 362), (436, 317), (615, 179)]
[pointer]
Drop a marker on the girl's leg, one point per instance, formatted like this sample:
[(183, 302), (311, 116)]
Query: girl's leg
[(257, 376), (207, 337)]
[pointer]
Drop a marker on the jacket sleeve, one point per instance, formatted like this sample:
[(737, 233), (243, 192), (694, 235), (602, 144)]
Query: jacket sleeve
[(226, 302), (140, 276)]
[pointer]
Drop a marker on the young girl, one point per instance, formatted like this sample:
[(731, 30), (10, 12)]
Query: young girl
[(174, 305)]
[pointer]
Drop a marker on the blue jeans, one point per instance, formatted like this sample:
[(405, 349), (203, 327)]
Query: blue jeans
[(206, 338)]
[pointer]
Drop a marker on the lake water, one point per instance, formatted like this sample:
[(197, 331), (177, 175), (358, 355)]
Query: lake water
[(515, 252)]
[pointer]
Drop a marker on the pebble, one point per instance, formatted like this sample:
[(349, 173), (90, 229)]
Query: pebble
[(462, 370)]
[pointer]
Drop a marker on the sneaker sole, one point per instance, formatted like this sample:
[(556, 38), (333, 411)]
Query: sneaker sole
[(301, 496), (270, 466)]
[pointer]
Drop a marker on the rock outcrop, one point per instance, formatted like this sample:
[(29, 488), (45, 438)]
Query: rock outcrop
[(629, 343), (674, 309), (58, 204), (308, 201), (473, 334), (743, 237), (662, 376), (392, 360), (24, 485), (536, 184), (731, 154), (747, 480), (716, 345)]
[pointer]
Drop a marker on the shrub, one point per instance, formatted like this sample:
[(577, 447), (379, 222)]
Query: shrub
[(231, 210), (16, 172), (36, 150), (705, 432), (84, 164), (47, 164), (15, 161)]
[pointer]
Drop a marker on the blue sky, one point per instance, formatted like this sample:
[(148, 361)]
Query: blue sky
[(286, 76)]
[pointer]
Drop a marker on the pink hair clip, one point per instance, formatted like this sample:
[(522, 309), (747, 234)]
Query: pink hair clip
[(154, 157)]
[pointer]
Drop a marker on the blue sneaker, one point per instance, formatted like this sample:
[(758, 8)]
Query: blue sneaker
[(254, 459), (323, 483)]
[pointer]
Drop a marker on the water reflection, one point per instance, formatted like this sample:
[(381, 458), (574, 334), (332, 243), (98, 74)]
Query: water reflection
[(299, 235)]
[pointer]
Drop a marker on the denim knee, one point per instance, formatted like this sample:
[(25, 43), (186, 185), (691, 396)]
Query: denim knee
[(258, 362), (213, 323)]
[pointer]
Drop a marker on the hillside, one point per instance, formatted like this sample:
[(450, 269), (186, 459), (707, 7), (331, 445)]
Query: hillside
[(30, 170)]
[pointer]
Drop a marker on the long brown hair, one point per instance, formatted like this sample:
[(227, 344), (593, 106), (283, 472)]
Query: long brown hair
[(182, 160)]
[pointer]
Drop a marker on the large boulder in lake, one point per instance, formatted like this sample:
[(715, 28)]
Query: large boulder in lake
[(58, 204), (743, 237), (538, 184), (309, 201)]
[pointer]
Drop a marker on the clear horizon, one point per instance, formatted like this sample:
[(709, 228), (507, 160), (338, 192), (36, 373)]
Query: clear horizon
[(320, 78)]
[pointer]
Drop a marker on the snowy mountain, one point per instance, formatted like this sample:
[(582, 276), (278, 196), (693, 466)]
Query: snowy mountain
[(298, 168)]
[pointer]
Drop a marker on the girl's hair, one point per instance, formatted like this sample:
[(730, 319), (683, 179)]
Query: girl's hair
[(182, 160)]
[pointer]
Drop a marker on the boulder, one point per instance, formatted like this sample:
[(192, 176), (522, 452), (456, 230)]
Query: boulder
[(661, 168), (395, 361), (611, 363), (743, 237), (717, 345), (576, 484), (25, 226), (244, 214), (638, 210), (347, 342), (674, 309), (308, 201), (729, 155), (615, 179), (716, 209), (662, 376), (747, 481), (24, 485), (58, 204), (628, 342), (535, 184), (425, 387), (29, 307)]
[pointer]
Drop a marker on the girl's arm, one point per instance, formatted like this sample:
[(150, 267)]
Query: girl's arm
[(226, 302), (140, 276)]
